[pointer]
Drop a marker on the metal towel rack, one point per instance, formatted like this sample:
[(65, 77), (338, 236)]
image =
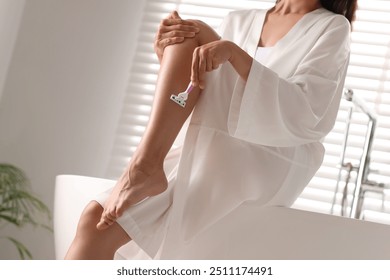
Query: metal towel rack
[(362, 183)]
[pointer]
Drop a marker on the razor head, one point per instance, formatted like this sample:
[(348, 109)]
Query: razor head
[(178, 100)]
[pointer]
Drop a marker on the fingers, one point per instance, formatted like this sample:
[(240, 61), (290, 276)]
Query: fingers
[(202, 62), (163, 43), (177, 28), (207, 58), (107, 219), (113, 211), (195, 67), (175, 14), (174, 35), (173, 30), (175, 22), (173, 26)]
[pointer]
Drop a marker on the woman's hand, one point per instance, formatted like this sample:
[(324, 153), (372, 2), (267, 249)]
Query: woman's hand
[(173, 30), (207, 58)]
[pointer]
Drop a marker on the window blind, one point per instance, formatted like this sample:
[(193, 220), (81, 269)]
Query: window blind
[(368, 76)]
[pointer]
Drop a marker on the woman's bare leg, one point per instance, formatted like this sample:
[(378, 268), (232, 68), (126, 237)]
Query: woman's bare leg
[(145, 175), (93, 244), (98, 235)]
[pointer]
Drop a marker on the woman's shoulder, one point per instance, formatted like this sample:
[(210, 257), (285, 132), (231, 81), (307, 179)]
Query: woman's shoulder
[(321, 14), (331, 19)]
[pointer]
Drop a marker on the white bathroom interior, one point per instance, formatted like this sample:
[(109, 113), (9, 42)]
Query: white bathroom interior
[(76, 84)]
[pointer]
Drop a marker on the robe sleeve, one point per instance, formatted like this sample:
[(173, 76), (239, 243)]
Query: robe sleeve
[(301, 109)]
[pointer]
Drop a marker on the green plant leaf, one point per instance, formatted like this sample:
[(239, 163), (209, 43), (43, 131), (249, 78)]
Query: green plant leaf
[(10, 219), (18, 206), (24, 253)]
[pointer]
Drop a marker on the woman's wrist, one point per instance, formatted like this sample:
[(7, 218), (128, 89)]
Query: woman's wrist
[(240, 60)]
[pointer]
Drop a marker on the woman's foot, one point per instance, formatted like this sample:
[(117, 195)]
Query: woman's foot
[(137, 183)]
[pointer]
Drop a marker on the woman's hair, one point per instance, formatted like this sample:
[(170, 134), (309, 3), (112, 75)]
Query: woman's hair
[(346, 8)]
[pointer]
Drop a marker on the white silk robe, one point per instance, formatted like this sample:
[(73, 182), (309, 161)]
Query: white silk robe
[(249, 144)]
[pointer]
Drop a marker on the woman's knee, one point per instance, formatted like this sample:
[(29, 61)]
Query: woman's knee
[(87, 229), (206, 33), (91, 243), (204, 36), (89, 218)]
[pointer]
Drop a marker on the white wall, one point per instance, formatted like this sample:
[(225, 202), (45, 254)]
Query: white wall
[(62, 95), (10, 15)]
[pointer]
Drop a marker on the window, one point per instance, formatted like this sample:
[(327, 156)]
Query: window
[(368, 76)]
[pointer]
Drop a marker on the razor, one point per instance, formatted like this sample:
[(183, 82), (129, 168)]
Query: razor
[(181, 98)]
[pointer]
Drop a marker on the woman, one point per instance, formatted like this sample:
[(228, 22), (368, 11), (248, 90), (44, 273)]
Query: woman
[(271, 93)]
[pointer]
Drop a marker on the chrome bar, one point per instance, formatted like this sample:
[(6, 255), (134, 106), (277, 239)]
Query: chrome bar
[(362, 172), (364, 166), (359, 103), (342, 156)]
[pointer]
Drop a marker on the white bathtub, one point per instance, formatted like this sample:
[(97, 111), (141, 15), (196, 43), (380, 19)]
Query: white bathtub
[(282, 233)]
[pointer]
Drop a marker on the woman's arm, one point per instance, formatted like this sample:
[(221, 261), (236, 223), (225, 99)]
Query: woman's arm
[(293, 109), (209, 57), (298, 109)]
